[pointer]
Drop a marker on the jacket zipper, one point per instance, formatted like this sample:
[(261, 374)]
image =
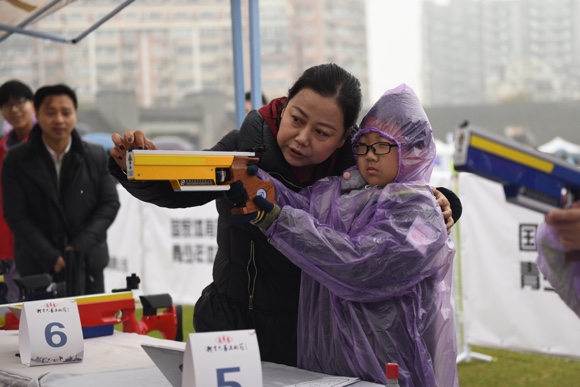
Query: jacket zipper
[(251, 281), (282, 178)]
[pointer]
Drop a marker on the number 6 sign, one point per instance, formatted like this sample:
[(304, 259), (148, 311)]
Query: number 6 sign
[(50, 332)]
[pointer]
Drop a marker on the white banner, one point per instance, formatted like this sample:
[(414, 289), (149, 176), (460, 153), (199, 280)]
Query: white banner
[(125, 241), (180, 246), (508, 304), (171, 250)]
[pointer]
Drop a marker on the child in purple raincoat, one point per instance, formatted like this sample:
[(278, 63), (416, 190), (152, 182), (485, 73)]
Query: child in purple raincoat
[(375, 255)]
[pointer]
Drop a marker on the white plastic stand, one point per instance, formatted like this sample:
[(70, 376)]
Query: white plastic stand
[(464, 352)]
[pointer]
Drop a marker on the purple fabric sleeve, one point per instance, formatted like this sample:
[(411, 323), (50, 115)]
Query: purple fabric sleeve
[(563, 275)]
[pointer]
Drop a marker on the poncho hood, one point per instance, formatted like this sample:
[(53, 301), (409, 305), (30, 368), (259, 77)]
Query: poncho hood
[(399, 117)]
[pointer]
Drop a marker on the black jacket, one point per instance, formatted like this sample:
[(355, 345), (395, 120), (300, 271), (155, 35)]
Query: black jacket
[(46, 219)]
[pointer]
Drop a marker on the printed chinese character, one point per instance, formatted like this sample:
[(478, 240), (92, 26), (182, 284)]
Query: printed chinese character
[(177, 256), (211, 250), (175, 229), (528, 237), (211, 227), (530, 275), (198, 227), (199, 253), (186, 228), (188, 254)]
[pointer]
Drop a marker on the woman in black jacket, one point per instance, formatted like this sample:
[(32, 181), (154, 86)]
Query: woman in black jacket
[(299, 139)]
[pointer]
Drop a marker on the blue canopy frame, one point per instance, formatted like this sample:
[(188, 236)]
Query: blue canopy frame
[(21, 28), (236, 16), (255, 67)]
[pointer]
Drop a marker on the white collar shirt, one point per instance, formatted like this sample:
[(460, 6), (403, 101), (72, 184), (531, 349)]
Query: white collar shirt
[(57, 159)]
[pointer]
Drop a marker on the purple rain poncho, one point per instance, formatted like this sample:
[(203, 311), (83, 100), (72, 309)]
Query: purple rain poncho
[(376, 261), (563, 275)]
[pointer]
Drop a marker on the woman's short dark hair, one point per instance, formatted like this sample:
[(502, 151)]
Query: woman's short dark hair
[(47, 91), (13, 89), (331, 80)]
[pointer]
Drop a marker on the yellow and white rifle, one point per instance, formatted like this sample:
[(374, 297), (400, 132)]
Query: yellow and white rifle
[(201, 171)]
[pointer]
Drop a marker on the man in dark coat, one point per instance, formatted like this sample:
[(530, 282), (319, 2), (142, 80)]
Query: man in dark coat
[(59, 199)]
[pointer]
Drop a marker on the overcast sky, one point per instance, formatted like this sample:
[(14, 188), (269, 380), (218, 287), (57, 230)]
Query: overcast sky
[(394, 45)]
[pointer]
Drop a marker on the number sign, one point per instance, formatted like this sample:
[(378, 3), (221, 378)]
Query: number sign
[(50, 332), (222, 359)]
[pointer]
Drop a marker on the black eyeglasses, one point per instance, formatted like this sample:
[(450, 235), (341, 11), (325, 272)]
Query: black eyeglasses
[(378, 148), (19, 103)]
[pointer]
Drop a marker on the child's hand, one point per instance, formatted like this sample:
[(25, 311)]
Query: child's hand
[(268, 214)]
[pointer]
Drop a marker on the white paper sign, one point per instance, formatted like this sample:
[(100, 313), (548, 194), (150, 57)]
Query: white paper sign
[(50, 332), (222, 359)]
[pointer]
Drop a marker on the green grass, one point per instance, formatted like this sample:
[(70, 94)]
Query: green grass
[(519, 369), (508, 369)]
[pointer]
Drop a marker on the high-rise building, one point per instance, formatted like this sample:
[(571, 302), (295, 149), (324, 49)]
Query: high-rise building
[(492, 51), (330, 31), (166, 50)]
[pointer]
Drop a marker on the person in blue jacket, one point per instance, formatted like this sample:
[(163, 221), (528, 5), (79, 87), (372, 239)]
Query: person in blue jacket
[(375, 255)]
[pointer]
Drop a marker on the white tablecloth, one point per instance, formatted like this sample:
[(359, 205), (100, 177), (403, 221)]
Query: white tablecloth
[(117, 360)]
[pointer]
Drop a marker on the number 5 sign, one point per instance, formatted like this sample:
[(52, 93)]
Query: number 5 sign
[(50, 332), (222, 359)]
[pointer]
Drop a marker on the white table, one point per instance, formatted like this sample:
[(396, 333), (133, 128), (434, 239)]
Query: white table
[(117, 360)]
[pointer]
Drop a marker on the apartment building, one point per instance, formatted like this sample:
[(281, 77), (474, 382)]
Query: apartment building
[(165, 50), (494, 51)]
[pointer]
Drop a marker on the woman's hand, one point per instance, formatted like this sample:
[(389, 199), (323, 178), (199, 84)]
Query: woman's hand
[(129, 141), (445, 208)]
